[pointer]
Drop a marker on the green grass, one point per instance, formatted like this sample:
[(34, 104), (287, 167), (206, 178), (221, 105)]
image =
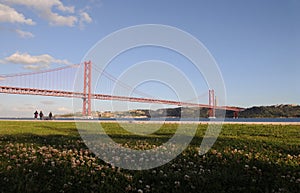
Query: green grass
[(51, 157)]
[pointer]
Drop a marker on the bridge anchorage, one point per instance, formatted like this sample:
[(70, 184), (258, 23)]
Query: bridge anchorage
[(27, 84)]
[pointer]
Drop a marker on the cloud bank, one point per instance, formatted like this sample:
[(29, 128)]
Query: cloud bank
[(10, 15), (52, 11)]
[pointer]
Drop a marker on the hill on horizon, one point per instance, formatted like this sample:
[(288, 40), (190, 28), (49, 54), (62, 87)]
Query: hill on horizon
[(272, 111)]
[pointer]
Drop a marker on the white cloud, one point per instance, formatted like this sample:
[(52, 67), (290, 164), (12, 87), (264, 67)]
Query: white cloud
[(43, 4), (44, 9), (24, 34), (19, 32), (24, 58), (36, 67), (59, 20), (49, 10), (8, 14), (84, 18), (33, 62)]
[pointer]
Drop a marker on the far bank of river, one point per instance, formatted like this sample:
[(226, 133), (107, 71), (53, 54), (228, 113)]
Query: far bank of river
[(185, 120)]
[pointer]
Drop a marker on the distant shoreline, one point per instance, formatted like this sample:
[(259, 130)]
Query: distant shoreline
[(160, 122)]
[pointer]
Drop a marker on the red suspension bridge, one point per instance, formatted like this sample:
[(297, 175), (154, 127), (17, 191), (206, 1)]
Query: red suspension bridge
[(38, 83)]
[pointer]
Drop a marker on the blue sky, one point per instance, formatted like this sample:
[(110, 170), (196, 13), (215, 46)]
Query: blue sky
[(255, 43)]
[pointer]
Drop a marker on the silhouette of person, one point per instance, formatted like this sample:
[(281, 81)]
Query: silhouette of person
[(41, 115), (50, 115), (35, 114)]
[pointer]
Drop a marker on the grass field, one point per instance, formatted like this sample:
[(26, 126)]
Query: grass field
[(51, 157)]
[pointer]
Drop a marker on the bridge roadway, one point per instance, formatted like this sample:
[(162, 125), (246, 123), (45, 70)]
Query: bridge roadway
[(70, 94)]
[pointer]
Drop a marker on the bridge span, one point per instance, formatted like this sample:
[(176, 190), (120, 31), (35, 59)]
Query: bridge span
[(87, 96), (69, 94)]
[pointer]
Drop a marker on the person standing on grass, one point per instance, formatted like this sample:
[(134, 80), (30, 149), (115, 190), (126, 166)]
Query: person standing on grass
[(36, 114), (41, 115), (50, 115)]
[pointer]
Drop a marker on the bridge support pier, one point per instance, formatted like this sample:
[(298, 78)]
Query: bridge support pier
[(212, 104), (235, 114), (87, 84)]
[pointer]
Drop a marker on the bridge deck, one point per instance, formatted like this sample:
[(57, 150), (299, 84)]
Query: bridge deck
[(70, 94)]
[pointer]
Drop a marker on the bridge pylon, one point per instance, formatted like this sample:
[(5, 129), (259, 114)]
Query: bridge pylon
[(87, 85)]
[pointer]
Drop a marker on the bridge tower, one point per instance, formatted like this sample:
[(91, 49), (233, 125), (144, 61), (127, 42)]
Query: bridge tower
[(211, 103), (87, 85)]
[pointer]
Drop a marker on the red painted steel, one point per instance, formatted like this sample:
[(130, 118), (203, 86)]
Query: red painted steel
[(39, 72), (84, 99), (87, 92)]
